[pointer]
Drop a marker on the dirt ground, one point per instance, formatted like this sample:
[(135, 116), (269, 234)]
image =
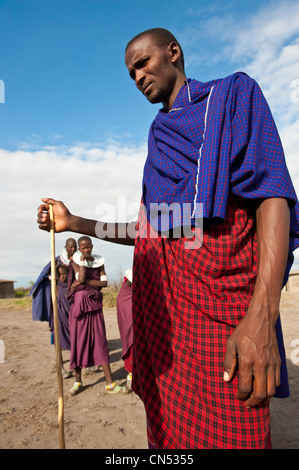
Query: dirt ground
[(92, 419)]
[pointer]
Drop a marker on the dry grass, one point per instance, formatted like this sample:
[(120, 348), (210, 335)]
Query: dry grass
[(23, 301), (110, 294), (20, 301)]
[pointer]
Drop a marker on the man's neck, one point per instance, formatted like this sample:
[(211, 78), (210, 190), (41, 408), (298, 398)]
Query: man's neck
[(167, 105)]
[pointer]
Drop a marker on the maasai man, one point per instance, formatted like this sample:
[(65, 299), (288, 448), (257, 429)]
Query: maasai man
[(89, 345), (208, 350), (125, 323)]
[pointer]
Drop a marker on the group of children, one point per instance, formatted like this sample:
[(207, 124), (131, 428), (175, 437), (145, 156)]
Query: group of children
[(80, 278)]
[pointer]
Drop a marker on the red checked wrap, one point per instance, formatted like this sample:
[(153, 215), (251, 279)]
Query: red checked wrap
[(186, 303)]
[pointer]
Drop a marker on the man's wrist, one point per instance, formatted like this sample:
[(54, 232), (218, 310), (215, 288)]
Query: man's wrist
[(265, 307), (72, 223)]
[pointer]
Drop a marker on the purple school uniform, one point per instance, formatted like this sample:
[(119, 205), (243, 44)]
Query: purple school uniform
[(63, 307), (89, 345)]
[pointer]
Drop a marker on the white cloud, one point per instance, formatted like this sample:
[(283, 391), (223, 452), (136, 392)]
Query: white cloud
[(264, 44), (268, 49), (83, 177)]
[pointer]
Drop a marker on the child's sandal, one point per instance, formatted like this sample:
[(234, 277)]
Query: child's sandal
[(66, 374), (76, 388), (112, 388)]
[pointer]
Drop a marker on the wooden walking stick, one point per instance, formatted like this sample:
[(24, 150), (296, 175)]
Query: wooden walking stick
[(56, 333)]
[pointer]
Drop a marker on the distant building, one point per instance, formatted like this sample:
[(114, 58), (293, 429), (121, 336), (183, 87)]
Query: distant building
[(6, 289)]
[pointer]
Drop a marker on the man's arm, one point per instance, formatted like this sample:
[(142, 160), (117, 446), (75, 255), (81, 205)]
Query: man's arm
[(121, 233), (252, 348)]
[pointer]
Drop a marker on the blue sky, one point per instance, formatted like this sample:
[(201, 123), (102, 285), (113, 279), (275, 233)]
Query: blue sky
[(74, 127), (63, 64)]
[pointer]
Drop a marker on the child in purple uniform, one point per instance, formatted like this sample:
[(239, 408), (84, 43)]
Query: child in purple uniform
[(89, 345), (63, 307)]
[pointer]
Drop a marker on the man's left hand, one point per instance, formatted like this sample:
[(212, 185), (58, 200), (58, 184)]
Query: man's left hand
[(252, 350)]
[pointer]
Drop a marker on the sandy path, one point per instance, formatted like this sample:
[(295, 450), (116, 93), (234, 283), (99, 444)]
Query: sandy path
[(28, 394), (93, 420)]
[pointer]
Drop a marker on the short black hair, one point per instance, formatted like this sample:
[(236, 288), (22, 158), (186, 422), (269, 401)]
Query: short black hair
[(162, 37), (84, 238), (70, 240), (62, 267)]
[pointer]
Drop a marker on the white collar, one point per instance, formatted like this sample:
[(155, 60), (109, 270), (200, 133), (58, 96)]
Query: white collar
[(98, 260), (64, 257)]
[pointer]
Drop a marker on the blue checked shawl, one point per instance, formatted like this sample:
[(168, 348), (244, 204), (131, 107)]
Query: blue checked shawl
[(219, 136)]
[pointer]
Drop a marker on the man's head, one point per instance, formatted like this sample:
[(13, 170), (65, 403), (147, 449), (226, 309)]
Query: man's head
[(70, 246), (162, 38), (155, 62)]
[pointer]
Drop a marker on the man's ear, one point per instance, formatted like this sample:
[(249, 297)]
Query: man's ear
[(174, 51)]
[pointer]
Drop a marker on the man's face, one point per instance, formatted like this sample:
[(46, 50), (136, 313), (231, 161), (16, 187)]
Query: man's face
[(152, 69)]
